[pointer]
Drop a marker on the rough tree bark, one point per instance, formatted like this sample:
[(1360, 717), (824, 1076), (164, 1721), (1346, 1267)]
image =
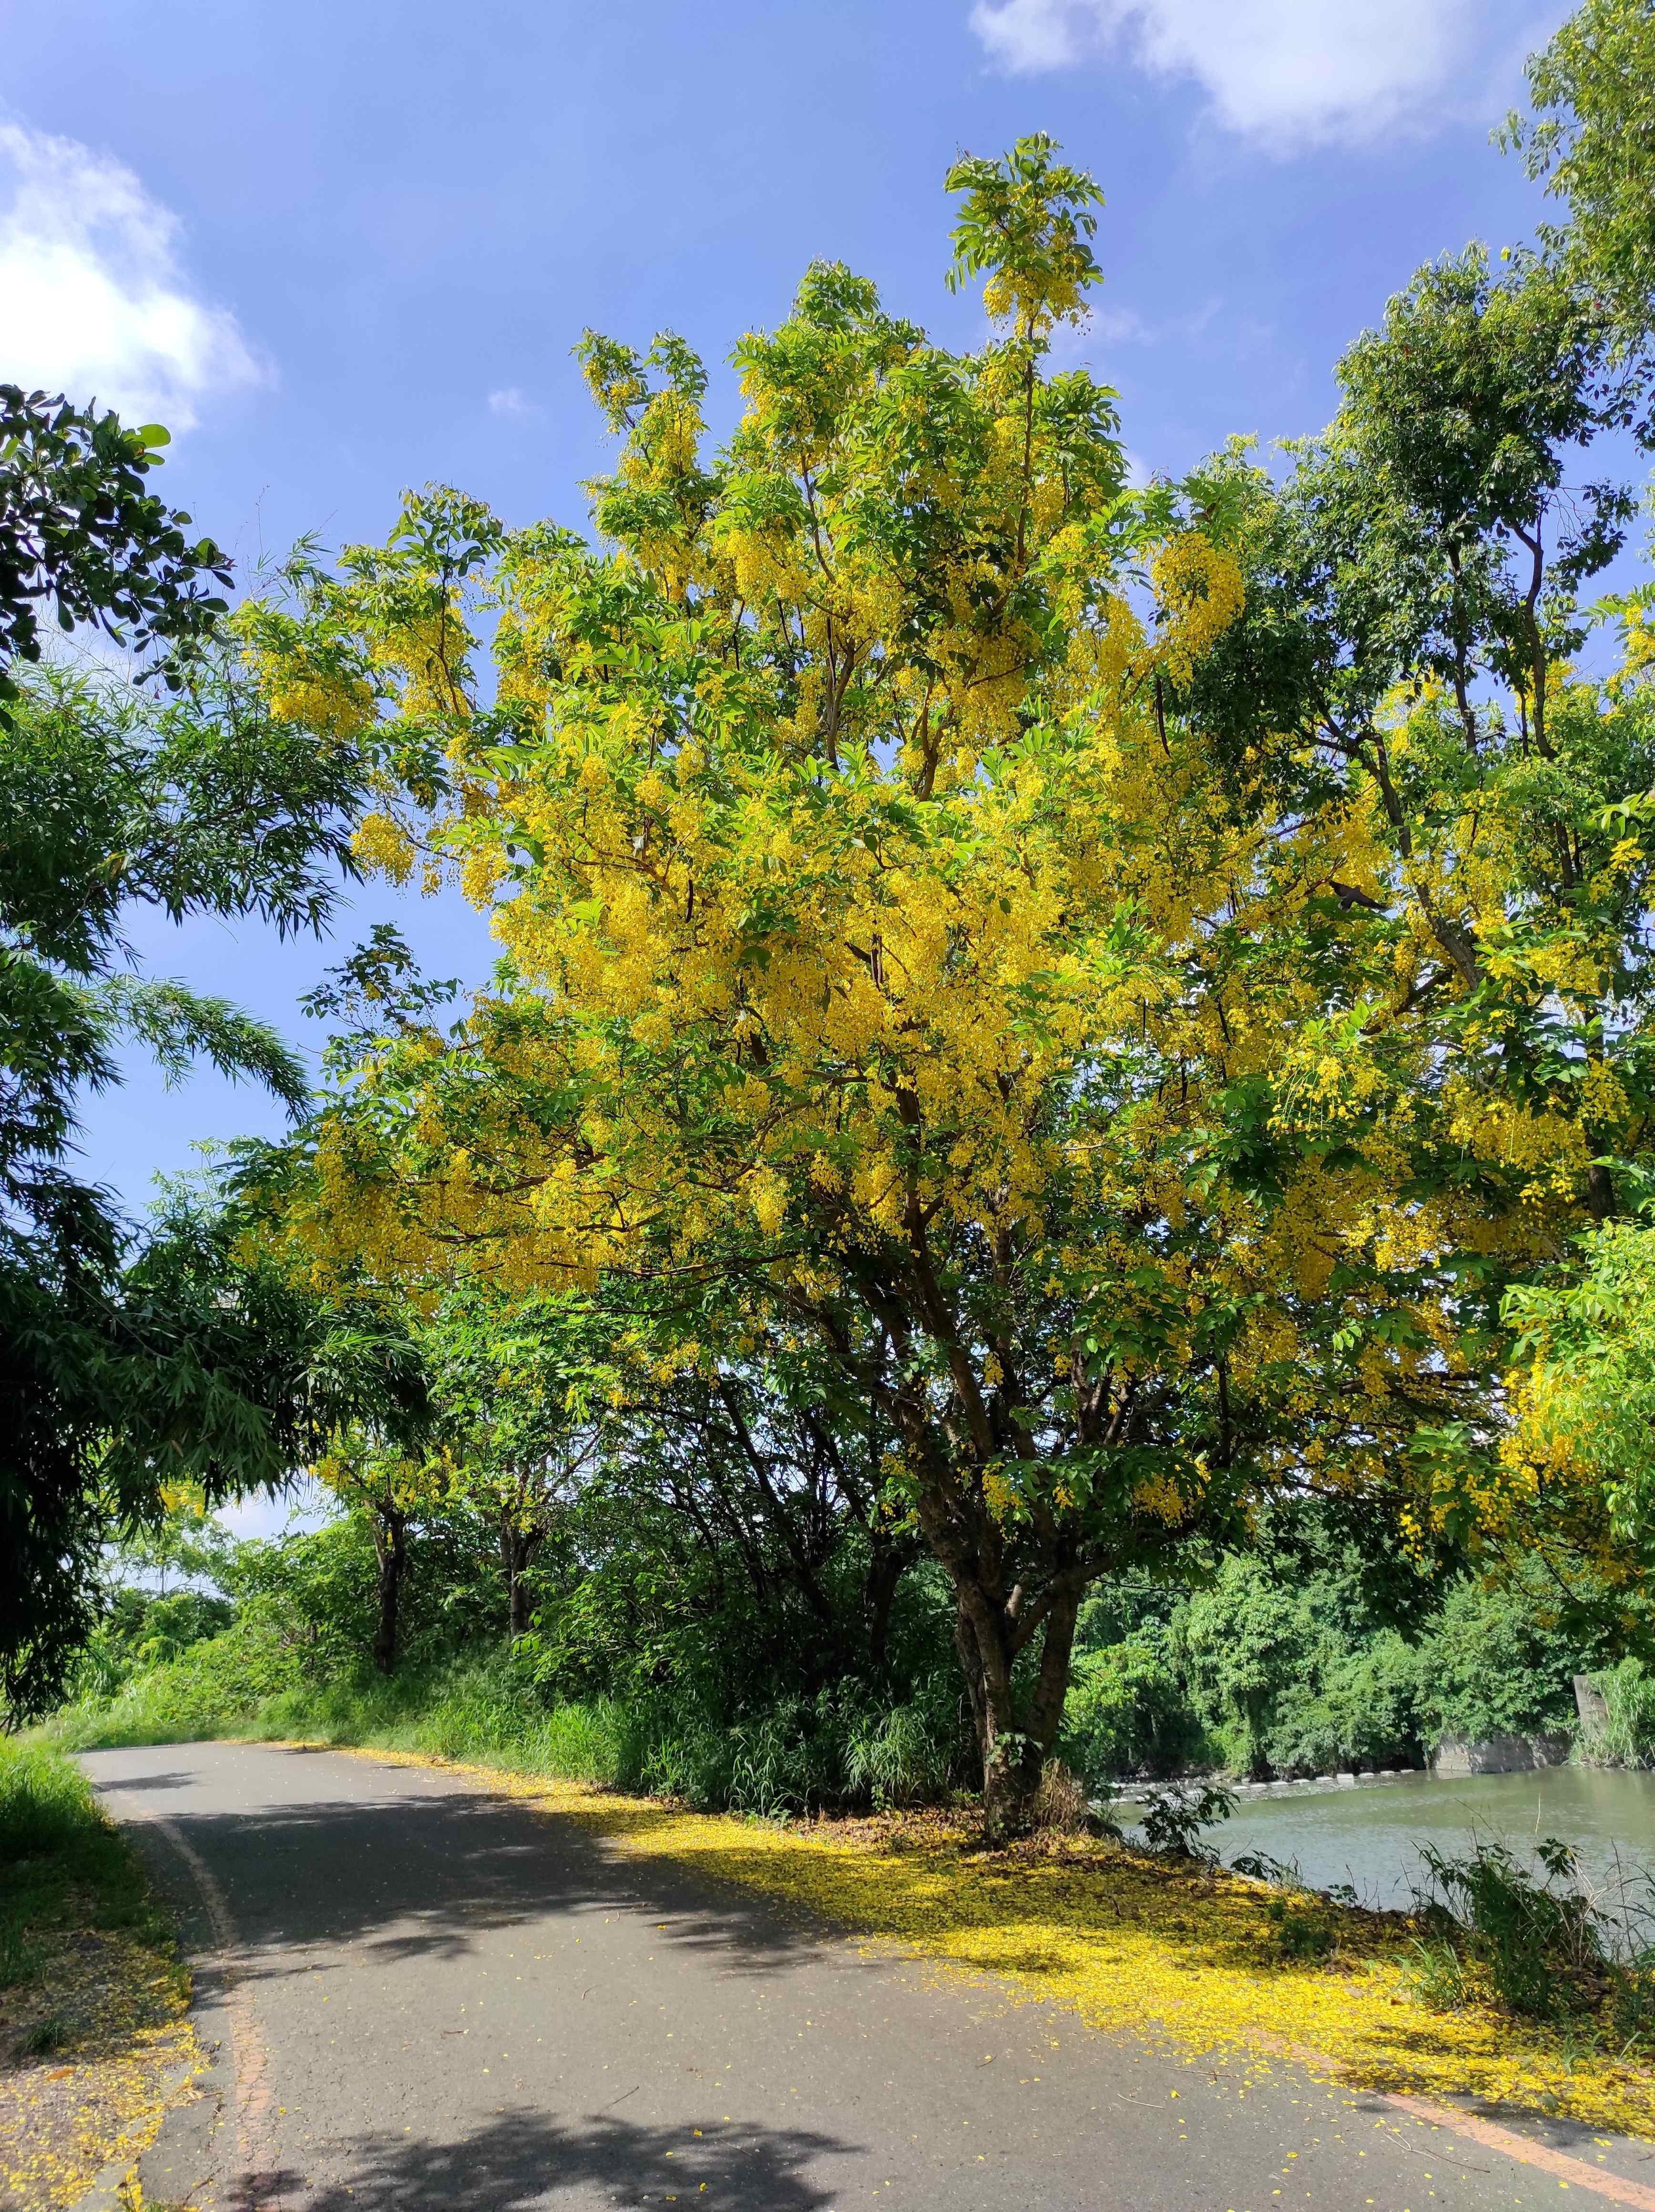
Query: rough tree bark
[(390, 1550), (1013, 1749)]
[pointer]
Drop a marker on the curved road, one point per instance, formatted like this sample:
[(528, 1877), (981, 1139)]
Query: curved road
[(427, 1998)]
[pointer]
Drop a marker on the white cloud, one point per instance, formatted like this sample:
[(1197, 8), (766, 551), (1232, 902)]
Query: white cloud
[(1028, 34), (93, 301), (511, 405), (1285, 70), (1117, 327)]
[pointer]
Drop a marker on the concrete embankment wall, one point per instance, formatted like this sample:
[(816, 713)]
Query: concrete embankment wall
[(1501, 1754)]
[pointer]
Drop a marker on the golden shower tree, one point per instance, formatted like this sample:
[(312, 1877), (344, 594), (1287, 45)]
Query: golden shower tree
[(887, 963)]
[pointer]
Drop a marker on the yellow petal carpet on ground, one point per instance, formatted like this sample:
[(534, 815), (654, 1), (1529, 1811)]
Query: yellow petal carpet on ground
[(128, 2054), (1163, 1949), (96, 2043)]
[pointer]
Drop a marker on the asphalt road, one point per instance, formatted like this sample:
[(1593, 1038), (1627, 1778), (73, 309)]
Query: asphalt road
[(427, 1998)]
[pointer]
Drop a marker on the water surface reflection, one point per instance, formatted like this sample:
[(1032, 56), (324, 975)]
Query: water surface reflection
[(1369, 1835)]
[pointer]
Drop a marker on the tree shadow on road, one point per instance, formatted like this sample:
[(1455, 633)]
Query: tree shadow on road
[(423, 1874), (174, 1781), (521, 2158), (428, 1865)]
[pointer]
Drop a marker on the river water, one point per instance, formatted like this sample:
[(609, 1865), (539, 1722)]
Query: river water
[(1368, 1835)]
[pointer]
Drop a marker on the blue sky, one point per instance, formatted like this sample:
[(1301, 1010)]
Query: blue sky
[(343, 248)]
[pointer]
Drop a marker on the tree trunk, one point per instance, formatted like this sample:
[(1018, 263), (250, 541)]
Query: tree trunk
[(1056, 1661), (1013, 1756), (1011, 1777), (1600, 1192), (522, 1616), (516, 1548), (390, 1550), (887, 1563)]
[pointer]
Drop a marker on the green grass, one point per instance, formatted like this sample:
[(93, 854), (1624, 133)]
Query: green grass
[(462, 1712), (217, 1687), (63, 1864), (794, 1757), (89, 1975), (227, 1688)]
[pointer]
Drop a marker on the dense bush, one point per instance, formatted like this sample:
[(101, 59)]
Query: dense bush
[(1282, 1664), (1502, 1660), (1128, 1713), (1299, 1662), (792, 1757), (1359, 1708), (1626, 1736)]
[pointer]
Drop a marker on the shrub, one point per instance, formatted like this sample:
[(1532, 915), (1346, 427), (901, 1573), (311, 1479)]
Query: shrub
[(1126, 1715), (1060, 1807), (1361, 1711), (910, 1754), (1626, 1736), (1501, 1661), (800, 1754), (1436, 1972), (795, 1756), (47, 1805), (63, 1864), (1540, 1945), (1303, 1927), (212, 1688), (1173, 1819)]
